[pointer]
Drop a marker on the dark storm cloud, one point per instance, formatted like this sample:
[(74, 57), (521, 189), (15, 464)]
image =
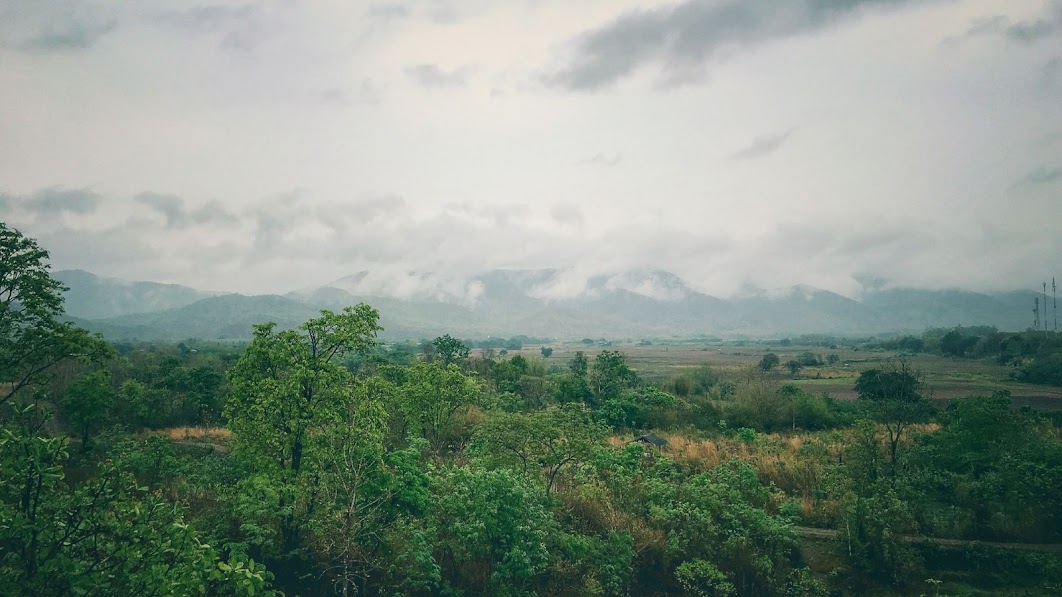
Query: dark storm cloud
[(54, 201), (762, 146), (430, 76), (684, 36), (173, 210)]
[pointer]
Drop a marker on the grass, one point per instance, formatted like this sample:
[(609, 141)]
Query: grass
[(209, 434), (947, 378)]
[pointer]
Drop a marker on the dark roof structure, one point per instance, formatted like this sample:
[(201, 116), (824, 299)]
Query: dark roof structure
[(652, 439)]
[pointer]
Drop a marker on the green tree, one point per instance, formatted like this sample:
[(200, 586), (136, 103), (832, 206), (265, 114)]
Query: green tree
[(721, 517), (106, 536), (431, 395), (288, 384), (610, 376), (769, 361), (873, 516), (895, 394), (997, 468), (87, 404), (450, 350), (33, 338), (546, 352), (794, 366), (703, 579), (549, 440), (365, 496), (492, 528), (579, 365)]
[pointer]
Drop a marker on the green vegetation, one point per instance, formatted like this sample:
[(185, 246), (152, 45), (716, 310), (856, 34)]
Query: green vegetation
[(316, 460)]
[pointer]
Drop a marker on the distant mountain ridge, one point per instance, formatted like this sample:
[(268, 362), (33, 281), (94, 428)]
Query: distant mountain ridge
[(96, 297), (544, 303)]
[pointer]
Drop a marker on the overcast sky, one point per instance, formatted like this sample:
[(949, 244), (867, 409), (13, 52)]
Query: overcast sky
[(273, 145)]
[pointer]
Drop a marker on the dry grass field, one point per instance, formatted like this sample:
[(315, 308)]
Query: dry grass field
[(947, 378)]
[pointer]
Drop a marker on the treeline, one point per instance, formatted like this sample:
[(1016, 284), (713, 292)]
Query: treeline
[(1036, 356)]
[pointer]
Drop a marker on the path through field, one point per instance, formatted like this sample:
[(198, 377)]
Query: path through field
[(816, 533)]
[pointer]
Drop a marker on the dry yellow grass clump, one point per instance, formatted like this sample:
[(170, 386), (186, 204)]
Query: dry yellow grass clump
[(200, 433), (777, 458)]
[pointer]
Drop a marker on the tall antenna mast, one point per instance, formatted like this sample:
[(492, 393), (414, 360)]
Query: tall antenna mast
[(1054, 301), (1045, 308), (1036, 314)]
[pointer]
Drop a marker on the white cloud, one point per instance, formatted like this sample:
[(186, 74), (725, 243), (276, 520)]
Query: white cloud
[(309, 155)]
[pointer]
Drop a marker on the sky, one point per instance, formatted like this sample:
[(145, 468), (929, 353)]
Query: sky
[(266, 146)]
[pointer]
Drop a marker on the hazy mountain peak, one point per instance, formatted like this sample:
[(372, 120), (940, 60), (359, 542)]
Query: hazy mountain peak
[(655, 284), (96, 297)]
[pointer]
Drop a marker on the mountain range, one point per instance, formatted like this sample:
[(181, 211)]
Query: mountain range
[(542, 303)]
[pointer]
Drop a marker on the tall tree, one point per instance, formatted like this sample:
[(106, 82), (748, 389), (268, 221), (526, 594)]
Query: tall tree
[(290, 383), (896, 395), (33, 337), (450, 350), (610, 376), (431, 395), (87, 404)]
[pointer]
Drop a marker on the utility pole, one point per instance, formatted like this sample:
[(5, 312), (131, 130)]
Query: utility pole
[(1054, 301), (1036, 314)]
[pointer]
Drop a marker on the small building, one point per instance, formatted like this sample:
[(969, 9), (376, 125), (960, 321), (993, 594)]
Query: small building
[(650, 439)]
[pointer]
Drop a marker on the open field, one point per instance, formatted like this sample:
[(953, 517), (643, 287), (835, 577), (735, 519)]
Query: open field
[(947, 378)]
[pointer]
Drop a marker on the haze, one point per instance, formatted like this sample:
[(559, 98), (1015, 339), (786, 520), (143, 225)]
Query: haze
[(268, 146)]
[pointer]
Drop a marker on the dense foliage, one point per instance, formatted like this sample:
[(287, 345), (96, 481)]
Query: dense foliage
[(318, 461)]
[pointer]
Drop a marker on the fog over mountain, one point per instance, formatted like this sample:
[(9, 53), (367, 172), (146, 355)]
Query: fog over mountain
[(263, 147), (639, 304)]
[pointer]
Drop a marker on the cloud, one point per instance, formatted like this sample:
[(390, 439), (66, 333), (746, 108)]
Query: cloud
[(238, 28), (682, 37), (72, 36), (430, 76), (1051, 73), (1040, 176), (366, 93), (172, 209), (54, 26), (206, 18), (1021, 31), (566, 212), (387, 12), (601, 159), (1031, 31), (170, 206), (763, 146), (54, 201)]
